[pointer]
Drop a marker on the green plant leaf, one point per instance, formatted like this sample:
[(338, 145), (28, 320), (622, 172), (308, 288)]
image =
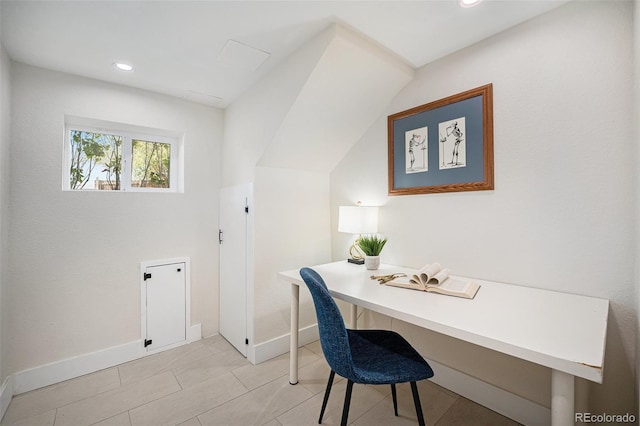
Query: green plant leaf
[(371, 245)]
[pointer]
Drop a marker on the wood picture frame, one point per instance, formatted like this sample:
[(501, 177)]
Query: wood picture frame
[(443, 146)]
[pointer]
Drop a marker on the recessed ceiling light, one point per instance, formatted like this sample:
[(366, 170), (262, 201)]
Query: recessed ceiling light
[(469, 3), (122, 66)]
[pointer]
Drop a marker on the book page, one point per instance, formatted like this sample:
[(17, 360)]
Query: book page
[(439, 277), (405, 282), (454, 285), (426, 273), (417, 277)]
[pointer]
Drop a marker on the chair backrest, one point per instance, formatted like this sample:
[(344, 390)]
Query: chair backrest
[(333, 333)]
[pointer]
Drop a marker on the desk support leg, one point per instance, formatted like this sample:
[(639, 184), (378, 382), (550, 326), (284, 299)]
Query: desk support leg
[(562, 398), (293, 348), (354, 317)]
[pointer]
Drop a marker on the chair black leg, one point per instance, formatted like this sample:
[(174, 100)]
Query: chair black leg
[(326, 395), (395, 399), (416, 401), (347, 402)]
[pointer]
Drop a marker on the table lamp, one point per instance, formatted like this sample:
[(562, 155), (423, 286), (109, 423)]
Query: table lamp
[(357, 220)]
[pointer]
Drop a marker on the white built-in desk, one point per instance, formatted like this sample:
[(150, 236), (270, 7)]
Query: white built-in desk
[(565, 332)]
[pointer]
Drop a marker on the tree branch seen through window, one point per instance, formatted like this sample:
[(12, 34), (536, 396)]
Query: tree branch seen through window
[(119, 160), (95, 155)]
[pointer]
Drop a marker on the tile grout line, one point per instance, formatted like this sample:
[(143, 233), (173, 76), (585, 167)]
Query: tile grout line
[(247, 391)]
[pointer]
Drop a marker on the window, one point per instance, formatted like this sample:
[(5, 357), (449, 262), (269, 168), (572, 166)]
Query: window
[(107, 159)]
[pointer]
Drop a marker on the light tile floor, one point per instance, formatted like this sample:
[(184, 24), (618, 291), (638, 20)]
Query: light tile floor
[(209, 383)]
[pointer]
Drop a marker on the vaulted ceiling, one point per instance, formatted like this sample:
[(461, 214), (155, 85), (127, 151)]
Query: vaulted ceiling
[(212, 51)]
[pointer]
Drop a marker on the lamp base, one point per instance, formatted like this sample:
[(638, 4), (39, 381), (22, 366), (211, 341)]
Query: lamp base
[(356, 261)]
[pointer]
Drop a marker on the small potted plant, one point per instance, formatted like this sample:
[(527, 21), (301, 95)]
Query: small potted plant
[(371, 246)]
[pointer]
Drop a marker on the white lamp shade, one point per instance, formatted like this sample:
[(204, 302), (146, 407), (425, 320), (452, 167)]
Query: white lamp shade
[(358, 220)]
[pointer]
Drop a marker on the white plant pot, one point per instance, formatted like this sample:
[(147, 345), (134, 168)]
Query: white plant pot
[(372, 262)]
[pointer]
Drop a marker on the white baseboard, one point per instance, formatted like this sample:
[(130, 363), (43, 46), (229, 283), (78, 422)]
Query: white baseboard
[(509, 405), (280, 345), (55, 372)]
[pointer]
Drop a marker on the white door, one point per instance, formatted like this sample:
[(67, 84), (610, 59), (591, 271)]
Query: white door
[(234, 215), (165, 305)]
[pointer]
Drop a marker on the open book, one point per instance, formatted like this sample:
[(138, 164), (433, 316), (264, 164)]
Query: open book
[(433, 278)]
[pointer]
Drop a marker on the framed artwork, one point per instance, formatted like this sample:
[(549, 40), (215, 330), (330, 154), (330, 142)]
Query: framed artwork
[(443, 146)]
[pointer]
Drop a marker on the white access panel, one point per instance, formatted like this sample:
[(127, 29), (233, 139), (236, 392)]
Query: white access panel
[(165, 305)]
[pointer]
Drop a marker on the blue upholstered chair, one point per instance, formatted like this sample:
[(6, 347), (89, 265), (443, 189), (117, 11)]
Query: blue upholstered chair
[(363, 356)]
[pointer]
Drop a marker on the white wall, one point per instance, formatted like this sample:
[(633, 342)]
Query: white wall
[(250, 125), (562, 215), (291, 229), (318, 130), (73, 279), (252, 121), (5, 93), (285, 134)]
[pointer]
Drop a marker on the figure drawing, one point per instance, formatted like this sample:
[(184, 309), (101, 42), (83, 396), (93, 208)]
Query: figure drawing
[(416, 155), (453, 148)]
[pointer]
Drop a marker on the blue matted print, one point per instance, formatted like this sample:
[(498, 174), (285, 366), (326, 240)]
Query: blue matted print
[(443, 146)]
